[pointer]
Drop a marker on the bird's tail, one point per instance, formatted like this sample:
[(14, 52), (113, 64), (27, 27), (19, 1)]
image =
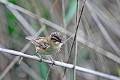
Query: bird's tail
[(33, 40), (29, 38)]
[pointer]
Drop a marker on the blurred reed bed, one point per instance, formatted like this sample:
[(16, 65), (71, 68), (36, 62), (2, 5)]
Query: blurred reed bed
[(99, 25)]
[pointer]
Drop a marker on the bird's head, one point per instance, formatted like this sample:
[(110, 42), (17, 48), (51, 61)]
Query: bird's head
[(56, 37)]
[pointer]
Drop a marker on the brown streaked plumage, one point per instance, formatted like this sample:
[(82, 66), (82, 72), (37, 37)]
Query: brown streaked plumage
[(47, 45)]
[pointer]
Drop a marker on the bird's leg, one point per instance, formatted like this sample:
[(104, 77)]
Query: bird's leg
[(21, 58), (37, 52), (50, 58), (39, 56), (53, 59)]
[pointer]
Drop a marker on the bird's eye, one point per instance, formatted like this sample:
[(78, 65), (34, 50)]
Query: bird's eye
[(57, 43), (53, 39), (56, 39)]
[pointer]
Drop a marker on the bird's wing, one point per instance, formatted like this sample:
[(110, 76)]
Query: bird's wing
[(43, 45), (29, 38), (39, 42)]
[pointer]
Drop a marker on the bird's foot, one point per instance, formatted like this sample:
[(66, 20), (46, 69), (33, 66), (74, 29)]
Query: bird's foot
[(53, 62), (38, 55)]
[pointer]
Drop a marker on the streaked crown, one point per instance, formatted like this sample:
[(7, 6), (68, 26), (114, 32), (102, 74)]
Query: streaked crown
[(56, 36)]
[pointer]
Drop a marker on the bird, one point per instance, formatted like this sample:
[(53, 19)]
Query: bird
[(48, 45)]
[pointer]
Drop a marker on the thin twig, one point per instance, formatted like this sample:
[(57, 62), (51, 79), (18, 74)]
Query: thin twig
[(62, 64), (75, 58), (65, 27), (75, 39), (48, 72), (76, 30), (63, 13)]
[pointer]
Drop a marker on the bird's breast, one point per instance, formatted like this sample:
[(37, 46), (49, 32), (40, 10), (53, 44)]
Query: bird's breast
[(48, 51)]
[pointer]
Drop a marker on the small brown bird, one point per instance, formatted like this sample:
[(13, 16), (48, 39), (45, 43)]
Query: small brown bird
[(47, 45)]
